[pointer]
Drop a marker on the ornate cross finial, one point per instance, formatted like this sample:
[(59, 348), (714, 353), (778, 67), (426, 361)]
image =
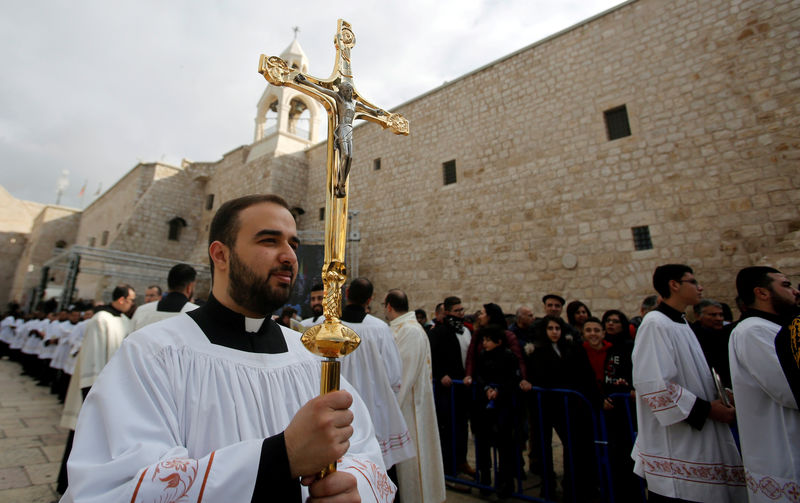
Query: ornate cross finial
[(296, 30)]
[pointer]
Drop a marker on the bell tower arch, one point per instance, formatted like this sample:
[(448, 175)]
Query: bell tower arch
[(285, 117)]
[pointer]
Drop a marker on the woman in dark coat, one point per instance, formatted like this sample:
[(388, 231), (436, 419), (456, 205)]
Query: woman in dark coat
[(556, 364)]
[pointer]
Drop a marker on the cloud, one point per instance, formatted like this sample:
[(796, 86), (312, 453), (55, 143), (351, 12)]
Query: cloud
[(95, 86)]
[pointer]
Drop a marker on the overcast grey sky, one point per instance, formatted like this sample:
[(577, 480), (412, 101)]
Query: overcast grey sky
[(93, 87)]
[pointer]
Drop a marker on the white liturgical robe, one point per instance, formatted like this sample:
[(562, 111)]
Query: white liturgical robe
[(420, 479), (766, 408), (677, 460), (102, 336), (149, 313), (177, 418), (366, 369)]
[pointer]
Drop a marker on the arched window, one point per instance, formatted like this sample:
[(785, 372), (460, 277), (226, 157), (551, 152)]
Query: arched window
[(61, 243), (299, 118), (175, 226)]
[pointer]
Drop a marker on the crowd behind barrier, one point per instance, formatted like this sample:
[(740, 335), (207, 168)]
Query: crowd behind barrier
[(609, 484)]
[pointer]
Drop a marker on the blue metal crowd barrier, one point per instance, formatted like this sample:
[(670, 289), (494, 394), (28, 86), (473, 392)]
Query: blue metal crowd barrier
[(568, 400)]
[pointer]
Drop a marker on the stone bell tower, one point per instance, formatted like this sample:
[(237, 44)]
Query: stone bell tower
[(287, 121)]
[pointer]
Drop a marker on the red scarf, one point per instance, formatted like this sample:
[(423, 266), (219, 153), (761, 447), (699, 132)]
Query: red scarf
[(597, 357)]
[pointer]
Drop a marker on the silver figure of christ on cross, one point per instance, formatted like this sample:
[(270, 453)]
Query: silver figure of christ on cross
[(343, 105)]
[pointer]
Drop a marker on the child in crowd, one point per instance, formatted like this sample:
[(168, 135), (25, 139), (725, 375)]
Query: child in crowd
[(497, 377)]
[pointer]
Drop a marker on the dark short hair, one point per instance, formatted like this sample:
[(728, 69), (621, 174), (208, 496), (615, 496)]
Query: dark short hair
[(319, 287), (553, 296), (158, 288), (288, 310), (359, 291), (420, 312), (573, 307), (121, 291), (451, 301), (751, 278), (225, 225), (594, 319), (494, 333), (666, 273), (180, 276), (439, 305), (398, 300)]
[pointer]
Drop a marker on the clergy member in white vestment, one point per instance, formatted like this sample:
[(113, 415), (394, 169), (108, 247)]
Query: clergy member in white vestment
[(220, 404), (684, 449), (315, 302), (180, 282), (101, 338), (376, 373), (766, 403), (420, 479)]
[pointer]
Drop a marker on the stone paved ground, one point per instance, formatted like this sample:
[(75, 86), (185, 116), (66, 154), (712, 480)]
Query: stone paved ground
[(31, 442)]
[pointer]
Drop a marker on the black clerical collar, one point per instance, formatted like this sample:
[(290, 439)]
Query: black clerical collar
[(353, 313), (173, 302), (110, 309), (774, 318), (226, 327), (670, 312)]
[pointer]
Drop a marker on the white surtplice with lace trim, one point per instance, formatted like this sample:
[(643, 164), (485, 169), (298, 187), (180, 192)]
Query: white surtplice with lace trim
[(174, 417), (678, 461)]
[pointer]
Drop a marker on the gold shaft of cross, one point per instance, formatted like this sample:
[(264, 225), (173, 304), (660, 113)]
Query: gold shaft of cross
[(343, 104)]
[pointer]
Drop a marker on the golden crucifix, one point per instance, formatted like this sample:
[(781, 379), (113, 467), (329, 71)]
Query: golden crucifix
[(344, 104)]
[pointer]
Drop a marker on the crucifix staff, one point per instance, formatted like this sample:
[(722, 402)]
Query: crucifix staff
[(343, 105)]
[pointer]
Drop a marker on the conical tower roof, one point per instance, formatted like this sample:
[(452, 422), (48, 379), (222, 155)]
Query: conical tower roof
[(295, 56)]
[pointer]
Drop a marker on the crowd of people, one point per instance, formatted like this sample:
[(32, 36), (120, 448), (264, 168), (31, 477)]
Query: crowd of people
[(493, 372), (222, 391)]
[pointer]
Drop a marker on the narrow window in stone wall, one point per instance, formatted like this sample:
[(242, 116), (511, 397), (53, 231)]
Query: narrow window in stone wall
[(175, 226), (641, 238), (104, 239), (61, 243), (617, 123), (209, 201), (376, 164), (449, 172), (322, 213), (92, 242)]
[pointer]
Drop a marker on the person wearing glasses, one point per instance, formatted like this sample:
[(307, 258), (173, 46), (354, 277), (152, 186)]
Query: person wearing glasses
[(685, 450), (449, 343)]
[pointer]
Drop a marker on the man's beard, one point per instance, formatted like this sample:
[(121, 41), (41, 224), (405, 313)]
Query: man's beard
[(782, 306), (252, 291), (317, 310)]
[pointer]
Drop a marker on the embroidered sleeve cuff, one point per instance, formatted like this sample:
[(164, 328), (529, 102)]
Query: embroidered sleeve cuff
[(697, 417), (274, 481)]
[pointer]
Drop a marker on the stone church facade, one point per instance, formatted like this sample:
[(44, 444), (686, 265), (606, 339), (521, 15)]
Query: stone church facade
[(655, 132)]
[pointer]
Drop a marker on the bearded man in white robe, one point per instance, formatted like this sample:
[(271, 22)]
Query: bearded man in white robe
[(685, 450), (221, 402), (766, 384), (420, 479)]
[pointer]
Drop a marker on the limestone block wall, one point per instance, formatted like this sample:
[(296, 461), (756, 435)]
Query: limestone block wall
[(55, 225), (12, 246), (172, 194), (235, 176), (114, 207), (711, 91), (16, 221)]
